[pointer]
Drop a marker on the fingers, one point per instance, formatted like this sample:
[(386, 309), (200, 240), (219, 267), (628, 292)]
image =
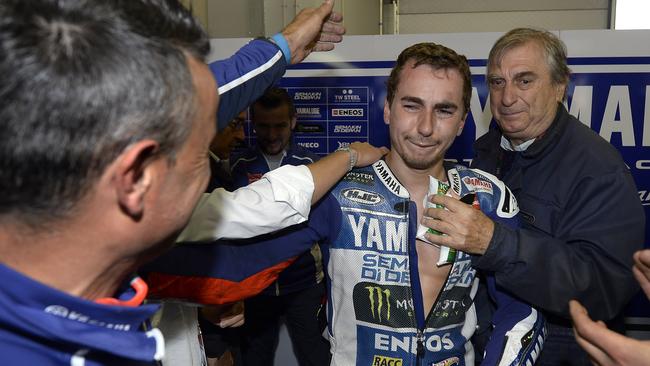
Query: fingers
[(335, 17), (581, 325), (231, 321), (604, 346), (333, 27), (643, 280), (325, 8), (322, 47), (643, 257), (330, 38), (465, 228), (449, 203), (367, 154)]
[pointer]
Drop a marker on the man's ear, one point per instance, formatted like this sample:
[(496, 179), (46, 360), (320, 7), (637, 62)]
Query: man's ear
[(560, 91), (293, 122), (386, 112), (133, 176), (461, 125)]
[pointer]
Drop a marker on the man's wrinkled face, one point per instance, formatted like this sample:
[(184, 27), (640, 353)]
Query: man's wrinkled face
[(426, 114), (523, 97), (273, 128)]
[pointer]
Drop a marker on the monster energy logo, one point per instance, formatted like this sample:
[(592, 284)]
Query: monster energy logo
[(381, 294)]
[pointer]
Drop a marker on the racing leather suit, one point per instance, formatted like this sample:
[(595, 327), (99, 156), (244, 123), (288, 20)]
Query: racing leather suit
[(375, 308)]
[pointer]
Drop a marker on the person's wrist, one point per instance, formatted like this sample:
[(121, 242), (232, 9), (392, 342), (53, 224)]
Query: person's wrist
[(282, 43), (353, 155)]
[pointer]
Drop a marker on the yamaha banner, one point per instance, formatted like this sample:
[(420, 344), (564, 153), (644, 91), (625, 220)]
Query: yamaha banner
[(339, 98)]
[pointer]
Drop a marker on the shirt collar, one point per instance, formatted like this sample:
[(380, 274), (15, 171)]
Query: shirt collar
[(509, 146)]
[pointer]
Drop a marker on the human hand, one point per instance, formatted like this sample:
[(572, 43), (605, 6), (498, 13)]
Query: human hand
[(366, 153), (604, 346), (464, 227), (641, 270), (314, 29), (225, 316)]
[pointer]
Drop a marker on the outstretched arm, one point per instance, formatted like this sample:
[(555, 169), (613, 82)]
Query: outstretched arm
[(244, 77)]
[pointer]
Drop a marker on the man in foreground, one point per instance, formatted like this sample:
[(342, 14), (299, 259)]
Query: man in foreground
[(104, 128)]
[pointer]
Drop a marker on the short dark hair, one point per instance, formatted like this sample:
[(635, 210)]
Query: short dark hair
[(436, 56), (273, 98), (80, 84)]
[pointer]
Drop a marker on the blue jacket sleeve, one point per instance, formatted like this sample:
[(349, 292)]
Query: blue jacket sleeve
[(245, 76)]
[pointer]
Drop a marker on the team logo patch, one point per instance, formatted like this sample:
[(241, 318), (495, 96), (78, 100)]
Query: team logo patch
[(386, 361), (382, 304), (475, 184), (448, 362), (361, 196), (363, 178)]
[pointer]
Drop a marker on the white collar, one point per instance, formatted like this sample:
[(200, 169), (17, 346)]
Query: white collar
[(509, 146)]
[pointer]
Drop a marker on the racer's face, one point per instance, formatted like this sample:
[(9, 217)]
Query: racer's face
[(273, 128), (426, 115), (523, 97)]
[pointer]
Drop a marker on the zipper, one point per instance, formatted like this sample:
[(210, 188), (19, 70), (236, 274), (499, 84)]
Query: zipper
[(420, 331), (420, 345)]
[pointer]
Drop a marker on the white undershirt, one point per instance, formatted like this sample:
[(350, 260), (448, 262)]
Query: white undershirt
[(509, 146)]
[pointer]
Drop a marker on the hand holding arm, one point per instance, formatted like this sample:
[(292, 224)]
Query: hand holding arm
[(465, 228), (330, 169), (314, 29)]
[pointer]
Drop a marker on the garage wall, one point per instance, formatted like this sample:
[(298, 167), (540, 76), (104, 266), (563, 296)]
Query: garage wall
[(251, 18), (445, 16)]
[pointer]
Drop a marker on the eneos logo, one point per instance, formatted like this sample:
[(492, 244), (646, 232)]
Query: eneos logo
[(347, 112)]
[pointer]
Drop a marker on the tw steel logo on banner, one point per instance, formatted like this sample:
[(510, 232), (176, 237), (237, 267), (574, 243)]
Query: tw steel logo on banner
[(383, 304)]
